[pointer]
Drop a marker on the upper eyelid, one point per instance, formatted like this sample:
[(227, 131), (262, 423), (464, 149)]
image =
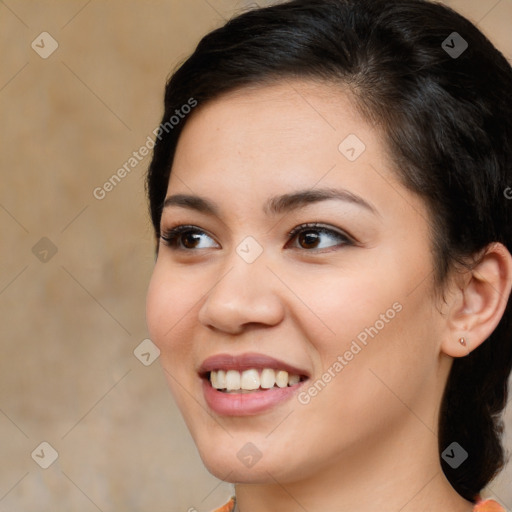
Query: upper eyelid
[(321, 227)]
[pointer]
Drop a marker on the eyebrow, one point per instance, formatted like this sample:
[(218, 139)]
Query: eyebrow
[(275, 205)]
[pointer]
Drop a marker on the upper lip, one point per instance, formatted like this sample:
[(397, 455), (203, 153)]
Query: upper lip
[(247, 361)]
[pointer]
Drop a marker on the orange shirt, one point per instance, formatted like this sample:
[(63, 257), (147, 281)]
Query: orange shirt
[(228, 507), (481, 506)]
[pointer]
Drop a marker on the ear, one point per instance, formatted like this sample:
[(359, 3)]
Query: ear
[(476, 307)]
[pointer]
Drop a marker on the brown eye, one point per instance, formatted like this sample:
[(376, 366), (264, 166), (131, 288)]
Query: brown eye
[(186, 238), (315, 237), (189, 240), (308, 239)]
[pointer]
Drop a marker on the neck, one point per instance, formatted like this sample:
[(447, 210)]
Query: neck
[(402, 474)]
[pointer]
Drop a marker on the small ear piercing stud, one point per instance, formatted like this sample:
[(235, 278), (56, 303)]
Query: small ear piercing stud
[(462, 341)]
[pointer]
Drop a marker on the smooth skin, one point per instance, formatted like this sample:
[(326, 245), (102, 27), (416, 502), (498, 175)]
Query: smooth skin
[(368, 440)]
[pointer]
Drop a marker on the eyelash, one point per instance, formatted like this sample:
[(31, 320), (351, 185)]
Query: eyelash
[(171, 237)]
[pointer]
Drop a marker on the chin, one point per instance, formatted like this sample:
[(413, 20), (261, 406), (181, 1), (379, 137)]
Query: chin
[(244, 465), (231, 470)]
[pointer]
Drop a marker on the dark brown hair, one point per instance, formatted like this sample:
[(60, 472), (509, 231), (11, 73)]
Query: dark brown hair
[(447, 118)]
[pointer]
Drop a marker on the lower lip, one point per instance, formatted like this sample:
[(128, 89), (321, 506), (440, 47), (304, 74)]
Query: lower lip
[(246, 404)]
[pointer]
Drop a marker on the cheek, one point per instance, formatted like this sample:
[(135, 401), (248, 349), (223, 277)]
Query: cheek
[(156, 307), (168, 316), (340, 307), (366, 323), (169, 300)]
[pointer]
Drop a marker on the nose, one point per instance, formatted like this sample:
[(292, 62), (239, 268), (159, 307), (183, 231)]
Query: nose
[(246, 295)]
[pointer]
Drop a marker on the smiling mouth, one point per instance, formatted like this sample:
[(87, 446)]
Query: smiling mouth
[(251, 380)]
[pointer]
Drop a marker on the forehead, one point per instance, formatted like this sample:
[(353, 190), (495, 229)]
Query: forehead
[(275, 129), (290, 110), (258, 142)]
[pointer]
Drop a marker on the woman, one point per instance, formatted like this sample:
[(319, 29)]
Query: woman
[(331, 290)]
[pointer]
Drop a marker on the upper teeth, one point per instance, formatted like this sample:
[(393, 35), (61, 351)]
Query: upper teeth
[(233, 380)]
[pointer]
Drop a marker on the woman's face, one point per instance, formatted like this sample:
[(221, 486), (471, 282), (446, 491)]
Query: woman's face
[(345, 304)]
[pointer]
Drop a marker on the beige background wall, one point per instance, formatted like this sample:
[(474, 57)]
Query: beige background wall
[(70, 321)]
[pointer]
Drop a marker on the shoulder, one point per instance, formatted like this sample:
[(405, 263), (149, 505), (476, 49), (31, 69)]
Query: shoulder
[(488, 506), (230, 506)]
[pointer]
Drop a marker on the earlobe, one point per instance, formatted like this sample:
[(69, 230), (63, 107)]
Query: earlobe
[(480, 302)]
